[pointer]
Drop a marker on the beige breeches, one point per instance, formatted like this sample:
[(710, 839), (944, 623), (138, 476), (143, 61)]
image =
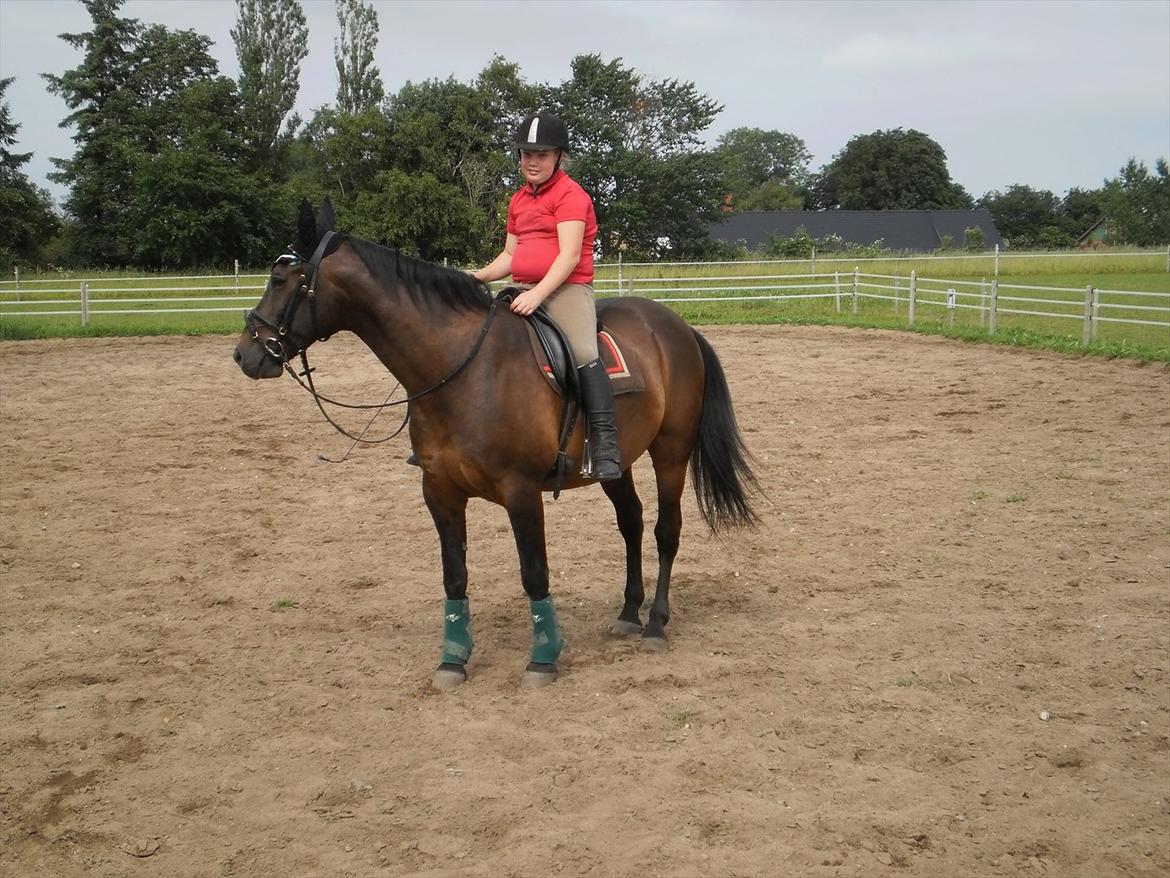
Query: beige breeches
[(574, 309)]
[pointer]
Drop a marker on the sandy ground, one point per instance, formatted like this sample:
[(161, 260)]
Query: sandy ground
[(943, 653)]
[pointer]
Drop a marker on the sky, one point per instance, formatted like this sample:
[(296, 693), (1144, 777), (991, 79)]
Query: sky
[(1053, 95)]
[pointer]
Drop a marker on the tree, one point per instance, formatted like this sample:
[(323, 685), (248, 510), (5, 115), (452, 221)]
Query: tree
[(1138, 204), (359, 82), (1028, 217), (1079, 209), (889, 170), (29, 221), (636, 149), (271, 40), (194, 202), (763, 170), (99, 173), (160, 174)]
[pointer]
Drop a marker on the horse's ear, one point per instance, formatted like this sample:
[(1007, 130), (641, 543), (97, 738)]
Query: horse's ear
[(325, 218), (307, 236)]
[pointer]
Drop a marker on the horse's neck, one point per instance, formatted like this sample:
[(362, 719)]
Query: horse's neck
[(419, 345)]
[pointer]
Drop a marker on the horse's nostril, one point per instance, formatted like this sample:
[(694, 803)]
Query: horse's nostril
[(236, 355)]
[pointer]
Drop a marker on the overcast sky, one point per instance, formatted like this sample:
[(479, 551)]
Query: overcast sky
[(1051, 94)]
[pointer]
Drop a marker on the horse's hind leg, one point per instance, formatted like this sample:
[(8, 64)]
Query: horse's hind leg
[(671, 477), (622, 494)]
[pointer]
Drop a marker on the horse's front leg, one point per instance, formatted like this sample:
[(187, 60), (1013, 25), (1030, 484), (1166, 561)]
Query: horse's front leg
[(526, 513), (448, 507)]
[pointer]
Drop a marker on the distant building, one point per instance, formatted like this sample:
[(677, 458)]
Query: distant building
[(1096, 235), (917, 230)]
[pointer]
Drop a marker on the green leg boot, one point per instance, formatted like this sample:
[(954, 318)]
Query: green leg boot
[(547, 643), (457, 644)]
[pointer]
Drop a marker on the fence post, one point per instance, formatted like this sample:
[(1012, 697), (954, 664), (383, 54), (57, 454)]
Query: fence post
[(237, 275), (997, 261), (991, 315), (814, 260), (1087, 325), (1096, 312), (630, 285), (619, 284), (16, 271), (85, 304), (951, 308), (982, 301), (913, 294), (837, 284), (856, 277)]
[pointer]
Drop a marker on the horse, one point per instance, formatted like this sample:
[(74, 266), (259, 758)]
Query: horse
[(485, 421)]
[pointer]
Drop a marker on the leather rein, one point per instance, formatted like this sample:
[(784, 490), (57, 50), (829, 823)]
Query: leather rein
[(275, 348)]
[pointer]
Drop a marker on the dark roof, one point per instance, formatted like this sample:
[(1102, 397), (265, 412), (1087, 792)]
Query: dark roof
[(918, 230)]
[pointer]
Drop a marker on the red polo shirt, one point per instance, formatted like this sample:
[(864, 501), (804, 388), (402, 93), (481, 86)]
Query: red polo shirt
[(533, 214)]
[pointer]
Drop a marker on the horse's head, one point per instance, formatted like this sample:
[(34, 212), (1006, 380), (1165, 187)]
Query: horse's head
[(289, 317)]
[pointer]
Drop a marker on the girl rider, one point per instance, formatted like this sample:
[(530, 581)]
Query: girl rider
[(549, 254)]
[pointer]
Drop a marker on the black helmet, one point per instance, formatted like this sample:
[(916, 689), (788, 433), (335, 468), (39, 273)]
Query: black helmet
[(542, 131)]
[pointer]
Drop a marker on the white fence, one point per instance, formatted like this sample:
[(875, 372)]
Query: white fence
[(909, 296)]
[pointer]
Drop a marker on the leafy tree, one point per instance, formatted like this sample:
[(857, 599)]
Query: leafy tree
[(1138, 204), (29, 221), (772, 195), (194, 203), (271, 40), (889, 170), (359, 82), (99, 173), (419, 214), (636, 149), (1028, 217), (160, 174), (1079, 209), (763, 170), (973, 240)]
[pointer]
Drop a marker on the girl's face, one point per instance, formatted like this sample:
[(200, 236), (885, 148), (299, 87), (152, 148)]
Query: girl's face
[(537, 165)]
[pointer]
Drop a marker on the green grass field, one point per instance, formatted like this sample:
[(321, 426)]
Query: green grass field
[(181, 304)]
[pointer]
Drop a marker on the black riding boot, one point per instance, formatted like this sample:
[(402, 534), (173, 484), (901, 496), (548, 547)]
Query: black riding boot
[(597, 394)]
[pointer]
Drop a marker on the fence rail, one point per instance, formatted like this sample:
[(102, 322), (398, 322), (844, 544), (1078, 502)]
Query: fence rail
[(991, 299)]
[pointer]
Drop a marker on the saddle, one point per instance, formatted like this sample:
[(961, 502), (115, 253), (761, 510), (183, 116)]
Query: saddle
[(554, 357)]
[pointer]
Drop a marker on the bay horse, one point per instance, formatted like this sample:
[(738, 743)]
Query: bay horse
[(485, 421)]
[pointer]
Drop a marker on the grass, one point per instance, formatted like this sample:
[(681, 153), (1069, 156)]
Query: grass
[(1146, 272)]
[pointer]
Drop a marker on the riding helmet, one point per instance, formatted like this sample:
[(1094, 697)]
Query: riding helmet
[(542, 131)]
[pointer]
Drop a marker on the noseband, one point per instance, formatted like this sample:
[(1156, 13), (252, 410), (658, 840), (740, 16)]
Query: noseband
[(274, 345)]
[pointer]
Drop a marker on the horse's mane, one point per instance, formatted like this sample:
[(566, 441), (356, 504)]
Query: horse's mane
[(428, 284)]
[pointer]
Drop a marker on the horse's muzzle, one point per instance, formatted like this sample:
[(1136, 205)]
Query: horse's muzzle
[(254, 360)]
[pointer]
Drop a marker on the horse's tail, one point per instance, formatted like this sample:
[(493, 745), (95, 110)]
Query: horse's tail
[(720, 470)]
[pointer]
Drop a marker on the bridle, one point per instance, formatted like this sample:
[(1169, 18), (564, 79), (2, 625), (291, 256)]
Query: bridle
[(274, 347)]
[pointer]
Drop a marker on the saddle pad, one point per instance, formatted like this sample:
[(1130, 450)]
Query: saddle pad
[(622, 375)]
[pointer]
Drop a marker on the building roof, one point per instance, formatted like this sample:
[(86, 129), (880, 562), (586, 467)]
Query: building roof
[(917, 230)]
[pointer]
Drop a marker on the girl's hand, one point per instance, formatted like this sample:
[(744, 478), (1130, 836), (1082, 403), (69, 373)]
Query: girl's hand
[(525, 303)]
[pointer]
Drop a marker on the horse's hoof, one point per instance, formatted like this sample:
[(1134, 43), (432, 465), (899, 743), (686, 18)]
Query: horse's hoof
[(538, 675), (655, 644), (625, 629), (449, 677)]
